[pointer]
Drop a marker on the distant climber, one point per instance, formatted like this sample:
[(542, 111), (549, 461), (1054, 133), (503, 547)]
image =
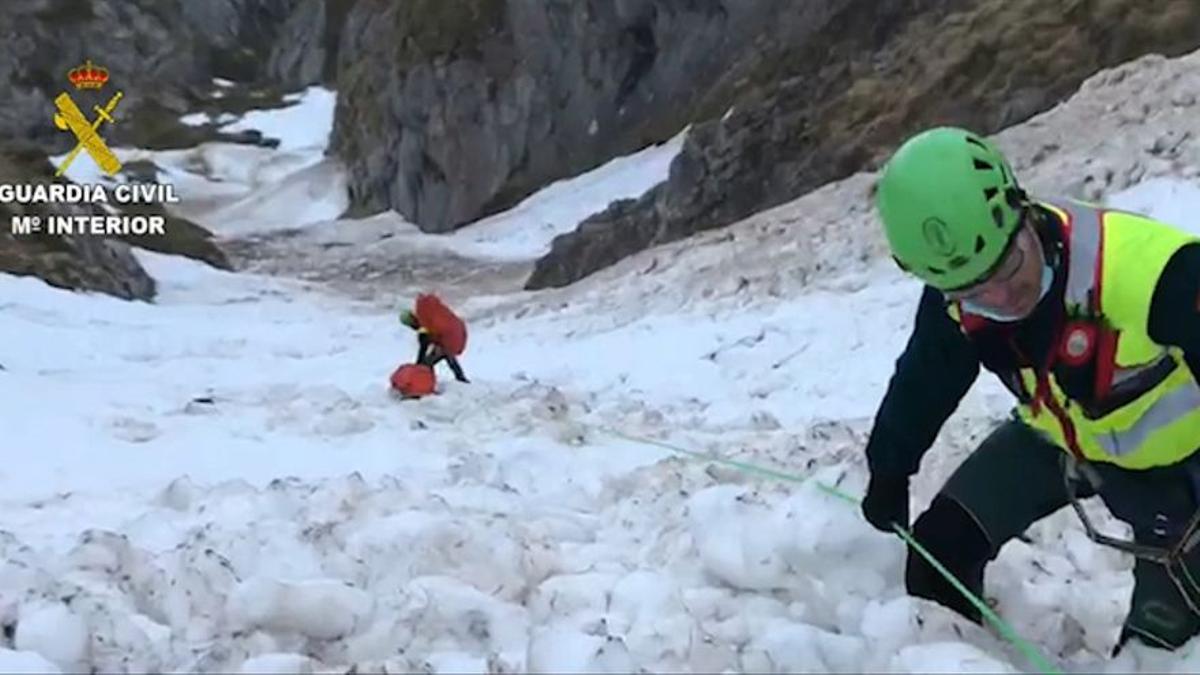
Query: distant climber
[(441, 335), (1090, 317)]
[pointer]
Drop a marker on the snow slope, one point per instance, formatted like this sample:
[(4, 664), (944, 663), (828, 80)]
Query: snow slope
[(220, 481), (490, 522)]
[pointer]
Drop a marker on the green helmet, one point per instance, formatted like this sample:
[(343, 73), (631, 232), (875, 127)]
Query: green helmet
[(950, 206), (409, 319)]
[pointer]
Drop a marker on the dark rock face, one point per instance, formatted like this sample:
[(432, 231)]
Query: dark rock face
[(812, 112), (161, 54), (306, 51), (181, 237), (139, 44), (450, 110), (239, 34), (77, 263)]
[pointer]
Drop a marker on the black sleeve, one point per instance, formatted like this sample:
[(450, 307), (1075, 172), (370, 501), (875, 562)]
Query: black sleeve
[(937, 368), (423, 344), (1175, 307)]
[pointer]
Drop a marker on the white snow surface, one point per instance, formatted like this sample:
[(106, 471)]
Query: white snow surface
[(303, 125), (220, 480)]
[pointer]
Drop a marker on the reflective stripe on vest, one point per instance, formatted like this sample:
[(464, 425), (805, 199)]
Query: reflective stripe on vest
[(1085, 234), (1172, 407), (1083, 255)]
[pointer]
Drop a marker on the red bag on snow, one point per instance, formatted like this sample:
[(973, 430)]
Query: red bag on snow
[(413, 380), (444, 326)]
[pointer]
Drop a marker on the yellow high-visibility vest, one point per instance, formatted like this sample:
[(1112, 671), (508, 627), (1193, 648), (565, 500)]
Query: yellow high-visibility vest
[(1149, 414)]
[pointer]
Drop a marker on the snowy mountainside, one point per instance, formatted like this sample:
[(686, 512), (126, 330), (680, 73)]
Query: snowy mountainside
[(220, 481)]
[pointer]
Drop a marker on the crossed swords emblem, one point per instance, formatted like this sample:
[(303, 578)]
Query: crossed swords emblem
[(70, 118)]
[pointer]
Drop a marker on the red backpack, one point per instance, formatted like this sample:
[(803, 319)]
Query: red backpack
[(413, 380), (444, 326)]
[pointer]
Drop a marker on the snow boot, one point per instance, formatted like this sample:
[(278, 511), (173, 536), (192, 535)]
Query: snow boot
[(954, 539)]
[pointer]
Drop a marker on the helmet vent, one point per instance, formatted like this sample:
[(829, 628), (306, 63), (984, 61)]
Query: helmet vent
[(998, 216), (979, 243), (976, 142), (1014, 197), (982, 165), (990, 193)]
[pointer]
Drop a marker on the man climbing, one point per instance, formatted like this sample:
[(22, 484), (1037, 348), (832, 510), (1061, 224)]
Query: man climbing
[(1091, 318), (441, 335)]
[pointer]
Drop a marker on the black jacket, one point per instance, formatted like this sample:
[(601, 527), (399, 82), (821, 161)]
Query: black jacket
[(939, 364)]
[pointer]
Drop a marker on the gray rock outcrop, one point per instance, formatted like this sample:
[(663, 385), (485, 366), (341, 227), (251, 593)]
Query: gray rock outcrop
[(453, 109), (819, 111)]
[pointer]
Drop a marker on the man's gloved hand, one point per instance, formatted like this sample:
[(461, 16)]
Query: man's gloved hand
[(886, 502)]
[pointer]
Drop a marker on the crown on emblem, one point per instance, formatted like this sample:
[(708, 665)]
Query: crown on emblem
[(88, 76)]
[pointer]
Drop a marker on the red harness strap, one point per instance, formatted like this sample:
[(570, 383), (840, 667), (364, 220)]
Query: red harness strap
[(1106, 349), (1042, 392)]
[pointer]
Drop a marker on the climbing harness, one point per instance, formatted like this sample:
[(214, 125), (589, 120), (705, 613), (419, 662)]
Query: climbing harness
[(1172, 558)]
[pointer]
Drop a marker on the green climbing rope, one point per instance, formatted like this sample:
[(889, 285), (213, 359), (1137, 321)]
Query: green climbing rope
[(1005, 630)]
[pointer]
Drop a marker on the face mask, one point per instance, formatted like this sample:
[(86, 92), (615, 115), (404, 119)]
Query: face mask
[(1047, 282)]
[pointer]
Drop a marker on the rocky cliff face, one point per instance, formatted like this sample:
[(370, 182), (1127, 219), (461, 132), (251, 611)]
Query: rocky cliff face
[(162, 54), (306, 49), (453, 109), (236, 36), (838, 103), (83, 263), (450, 110)]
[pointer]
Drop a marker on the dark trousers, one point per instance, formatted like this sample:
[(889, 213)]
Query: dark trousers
[(1015, 478), (431, 354)]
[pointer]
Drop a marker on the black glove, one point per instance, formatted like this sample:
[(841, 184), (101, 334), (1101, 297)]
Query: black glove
[(886, 502)]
